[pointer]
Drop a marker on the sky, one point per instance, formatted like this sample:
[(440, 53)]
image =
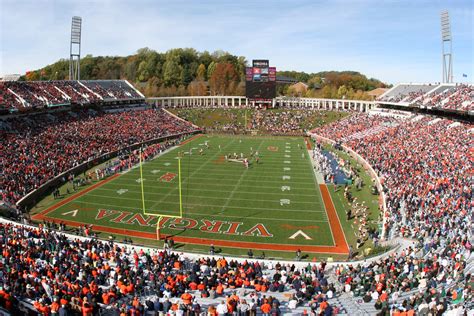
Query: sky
[(394, 41)]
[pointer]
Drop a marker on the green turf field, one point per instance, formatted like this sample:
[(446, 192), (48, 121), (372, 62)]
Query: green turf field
[(266, 203)]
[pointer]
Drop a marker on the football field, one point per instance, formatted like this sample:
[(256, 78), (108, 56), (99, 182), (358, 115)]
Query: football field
[(274, 204)]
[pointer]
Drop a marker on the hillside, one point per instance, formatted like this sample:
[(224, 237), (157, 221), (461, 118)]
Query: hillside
[(185, 71)]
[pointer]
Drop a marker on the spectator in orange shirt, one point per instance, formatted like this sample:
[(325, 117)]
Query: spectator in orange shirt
[(187, 298), (266, 308)]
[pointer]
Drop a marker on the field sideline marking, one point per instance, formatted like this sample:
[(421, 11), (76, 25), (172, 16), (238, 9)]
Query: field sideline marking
[(190, 139), (246, 192), (222, 184), (239, 207), (73, 197), (334, 221), (316, 184)]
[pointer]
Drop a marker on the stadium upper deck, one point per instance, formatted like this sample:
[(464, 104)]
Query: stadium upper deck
[(445, 96), (21, 95)]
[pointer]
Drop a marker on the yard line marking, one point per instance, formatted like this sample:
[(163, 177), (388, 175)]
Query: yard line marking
[(237, 184), (209, 160)]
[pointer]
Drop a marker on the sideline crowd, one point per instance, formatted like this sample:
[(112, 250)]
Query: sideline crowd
[(425, 166), (42, 146)]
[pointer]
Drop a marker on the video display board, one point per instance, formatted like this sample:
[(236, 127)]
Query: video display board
[(260, 80)]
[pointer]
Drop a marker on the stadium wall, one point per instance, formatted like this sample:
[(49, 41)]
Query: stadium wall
[(32, 198)]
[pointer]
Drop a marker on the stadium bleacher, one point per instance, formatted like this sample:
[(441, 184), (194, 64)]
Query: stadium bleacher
[(45, 145), (424, 163), (18, 95), (458, 97)]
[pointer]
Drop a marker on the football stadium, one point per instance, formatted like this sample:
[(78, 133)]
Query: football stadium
[(176, 181)]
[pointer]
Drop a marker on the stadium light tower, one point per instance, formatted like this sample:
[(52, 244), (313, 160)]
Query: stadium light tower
[(75, 49), (447, 47)]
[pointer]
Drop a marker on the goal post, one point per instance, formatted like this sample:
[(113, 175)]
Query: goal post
[(160, 216)]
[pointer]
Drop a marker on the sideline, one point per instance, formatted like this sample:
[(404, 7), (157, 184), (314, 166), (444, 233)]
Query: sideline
[(42, 215), (400, 245)]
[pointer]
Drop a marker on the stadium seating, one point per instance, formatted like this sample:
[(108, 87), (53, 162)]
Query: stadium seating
[(17, 95), (42, 146), (459, 97), (423, 162)]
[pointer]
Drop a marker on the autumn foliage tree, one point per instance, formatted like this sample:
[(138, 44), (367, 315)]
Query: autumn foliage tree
[(224, 79), (185, 71)]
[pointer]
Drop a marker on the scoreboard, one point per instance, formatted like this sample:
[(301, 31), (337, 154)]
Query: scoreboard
[(260, 80)]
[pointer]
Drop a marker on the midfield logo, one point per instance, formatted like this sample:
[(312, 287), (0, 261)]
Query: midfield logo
[(167, 177)]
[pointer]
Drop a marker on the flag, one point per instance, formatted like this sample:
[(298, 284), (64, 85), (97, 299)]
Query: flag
[(464, 75)]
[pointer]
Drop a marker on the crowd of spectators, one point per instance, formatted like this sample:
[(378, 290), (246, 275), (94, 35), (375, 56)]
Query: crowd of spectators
[(270, 121), (42, 146), (424, 165), (62, 276), (280, 122), (33, 94), (461, 97), (453, 97)]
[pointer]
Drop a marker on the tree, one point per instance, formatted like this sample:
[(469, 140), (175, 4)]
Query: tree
[(186, 75), (342, 92), (201, 72), (210, 69), (163, 73), (197, 87), (171, 72), (224, 79)]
